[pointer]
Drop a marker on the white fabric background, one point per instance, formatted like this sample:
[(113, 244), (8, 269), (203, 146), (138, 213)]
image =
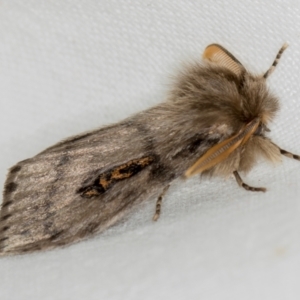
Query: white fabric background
[(70, 66)]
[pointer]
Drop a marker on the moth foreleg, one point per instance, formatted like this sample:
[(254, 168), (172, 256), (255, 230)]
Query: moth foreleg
[(158, 203), (246, 186), (289, 154)]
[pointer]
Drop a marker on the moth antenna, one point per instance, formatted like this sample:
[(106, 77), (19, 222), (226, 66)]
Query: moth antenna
[(276, 60)]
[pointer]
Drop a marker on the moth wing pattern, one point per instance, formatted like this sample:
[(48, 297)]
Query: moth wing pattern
[(43, 206), (85, 184)]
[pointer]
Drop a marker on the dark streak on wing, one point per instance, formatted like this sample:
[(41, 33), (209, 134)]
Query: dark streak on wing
[(15, 169), (106, 180), (147, 138), (10, 187), (193, 146)]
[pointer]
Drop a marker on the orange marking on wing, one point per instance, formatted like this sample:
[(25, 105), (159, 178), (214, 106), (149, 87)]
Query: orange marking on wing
[(116, 173), (91, 193), (107, 179)]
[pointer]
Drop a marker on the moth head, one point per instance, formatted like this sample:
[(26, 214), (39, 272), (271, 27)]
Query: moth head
[(255, 99), (253, 105)]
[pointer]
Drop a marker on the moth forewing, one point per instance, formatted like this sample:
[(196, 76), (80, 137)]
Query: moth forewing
[(213, 122)]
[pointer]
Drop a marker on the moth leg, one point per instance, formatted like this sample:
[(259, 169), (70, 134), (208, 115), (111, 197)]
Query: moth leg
[(289, 154), (246, 186), (158, 203)]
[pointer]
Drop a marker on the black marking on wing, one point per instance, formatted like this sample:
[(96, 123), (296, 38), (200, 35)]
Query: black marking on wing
[(148, 139), (192, 147), (161, 171), (91, 228), (5, 228), (56, 235), (194, 144), (64, 159), (10, 187), (7, 203), (15, 169), (6, 217), (60, 173), (109, 178)]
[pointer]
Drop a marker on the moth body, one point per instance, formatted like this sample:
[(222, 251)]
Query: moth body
[(213, 122)]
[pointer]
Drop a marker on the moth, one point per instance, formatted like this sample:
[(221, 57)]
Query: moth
[(213, 122)]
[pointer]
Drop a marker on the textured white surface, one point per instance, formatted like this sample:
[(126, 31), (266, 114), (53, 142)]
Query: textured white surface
[(70, 66)]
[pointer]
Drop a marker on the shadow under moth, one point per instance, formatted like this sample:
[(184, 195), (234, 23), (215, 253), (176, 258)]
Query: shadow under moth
[(213, 122)]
